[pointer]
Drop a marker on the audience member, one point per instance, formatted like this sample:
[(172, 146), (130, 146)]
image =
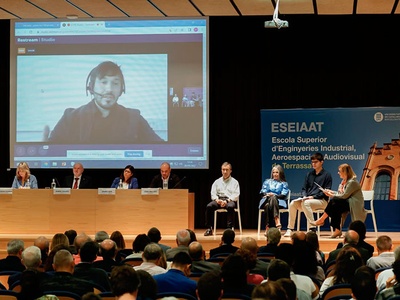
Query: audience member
[(124, 282), (176, 279), (43, 244), (359, 227), (108, 250), (122, 251), (59, 238), (273, 189), (182, 242), (386, 274), (273, 239), (225, 193), (78, 180), (23, 178), (261, 267), (227, 239), (155, 236), (270, 290), (312, 239), (392, 284), (199, 264), (154, 261), (138, 245), (12, 262), (289, 286), (250, 260), (147, 287), (126, 178), (166, 179), (85, 269), (285, 252), (101, 236), (347, 262), (311, 196), (91, 296), (363, 285), (80, 239), (63, 280), (210, 286), (234, 275), (48, 266), (279, 269), (71, 235), (193, 236), (350, 240), (385, 256)]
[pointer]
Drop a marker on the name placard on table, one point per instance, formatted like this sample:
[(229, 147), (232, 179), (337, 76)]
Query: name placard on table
[(150, 191), (62, 191), (6, 191), (106, 191)]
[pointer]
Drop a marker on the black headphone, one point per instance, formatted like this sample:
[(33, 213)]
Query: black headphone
[(103, 69)]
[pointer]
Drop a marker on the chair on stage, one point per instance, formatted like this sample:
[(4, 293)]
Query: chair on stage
[(281, 211), (369, 198), (223, 210)]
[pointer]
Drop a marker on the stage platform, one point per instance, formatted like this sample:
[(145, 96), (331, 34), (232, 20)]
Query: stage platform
[(326, 244)]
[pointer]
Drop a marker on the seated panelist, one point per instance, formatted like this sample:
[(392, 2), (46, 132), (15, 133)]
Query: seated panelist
[(166, 179), (23, 178), (78, 180), (127, 179)]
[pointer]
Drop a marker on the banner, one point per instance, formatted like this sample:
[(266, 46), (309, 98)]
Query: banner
[(365, 138)]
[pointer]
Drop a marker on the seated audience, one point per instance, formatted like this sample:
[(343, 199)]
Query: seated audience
[(312, 239), (273, 239), (350, 239), (392, 284), (270, 290), (122, 251), (385, 257), (71, 235), (59, 238), (48, 266), (101, 236), (80, 239), (347, 262), (154, 235), (85, 269), (227, 239), (182, 242), (261, 267), (289, 286), (386, 274), (12, 262), (124, 282), (176, 279), (138, 245), (108, 250), (234, 275), (210, 286), (251, 261), (147, 287), (199, 264), (154, 261), (363, 285), (63, 280)]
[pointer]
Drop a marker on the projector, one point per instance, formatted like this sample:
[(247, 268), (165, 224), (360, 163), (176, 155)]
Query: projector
[(276, 23)]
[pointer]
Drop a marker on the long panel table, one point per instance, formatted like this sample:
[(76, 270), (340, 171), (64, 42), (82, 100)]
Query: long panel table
[(39, 211)]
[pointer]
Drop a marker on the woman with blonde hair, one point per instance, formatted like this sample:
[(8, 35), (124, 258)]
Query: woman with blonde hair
[(23, 178), (348, 197)]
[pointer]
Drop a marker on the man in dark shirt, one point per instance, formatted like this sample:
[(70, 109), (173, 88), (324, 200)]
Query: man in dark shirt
[(13, 260), (166, 179), (227, 239), (63, 280)]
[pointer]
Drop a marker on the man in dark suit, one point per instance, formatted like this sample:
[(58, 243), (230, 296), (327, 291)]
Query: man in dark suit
[(78, 180), (166, 180), (350, 240), (13, 260), (199, 264), (108, 250), (227, 239)]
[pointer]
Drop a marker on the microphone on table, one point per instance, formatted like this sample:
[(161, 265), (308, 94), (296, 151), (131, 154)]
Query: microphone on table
[(179, 182)]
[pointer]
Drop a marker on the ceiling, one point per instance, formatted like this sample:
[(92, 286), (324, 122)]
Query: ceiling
[(27, 9)]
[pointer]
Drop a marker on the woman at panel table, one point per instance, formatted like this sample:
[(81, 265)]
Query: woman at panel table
[(128, 181), (349, 197), (273, 189), (23, 178)]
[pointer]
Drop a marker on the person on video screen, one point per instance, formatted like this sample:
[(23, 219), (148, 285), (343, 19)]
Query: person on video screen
[(102, 120)]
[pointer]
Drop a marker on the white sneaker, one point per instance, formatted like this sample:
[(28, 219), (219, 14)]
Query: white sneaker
[(288, 233)]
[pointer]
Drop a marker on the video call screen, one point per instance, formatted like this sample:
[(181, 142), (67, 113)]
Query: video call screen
[(109, 93)]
